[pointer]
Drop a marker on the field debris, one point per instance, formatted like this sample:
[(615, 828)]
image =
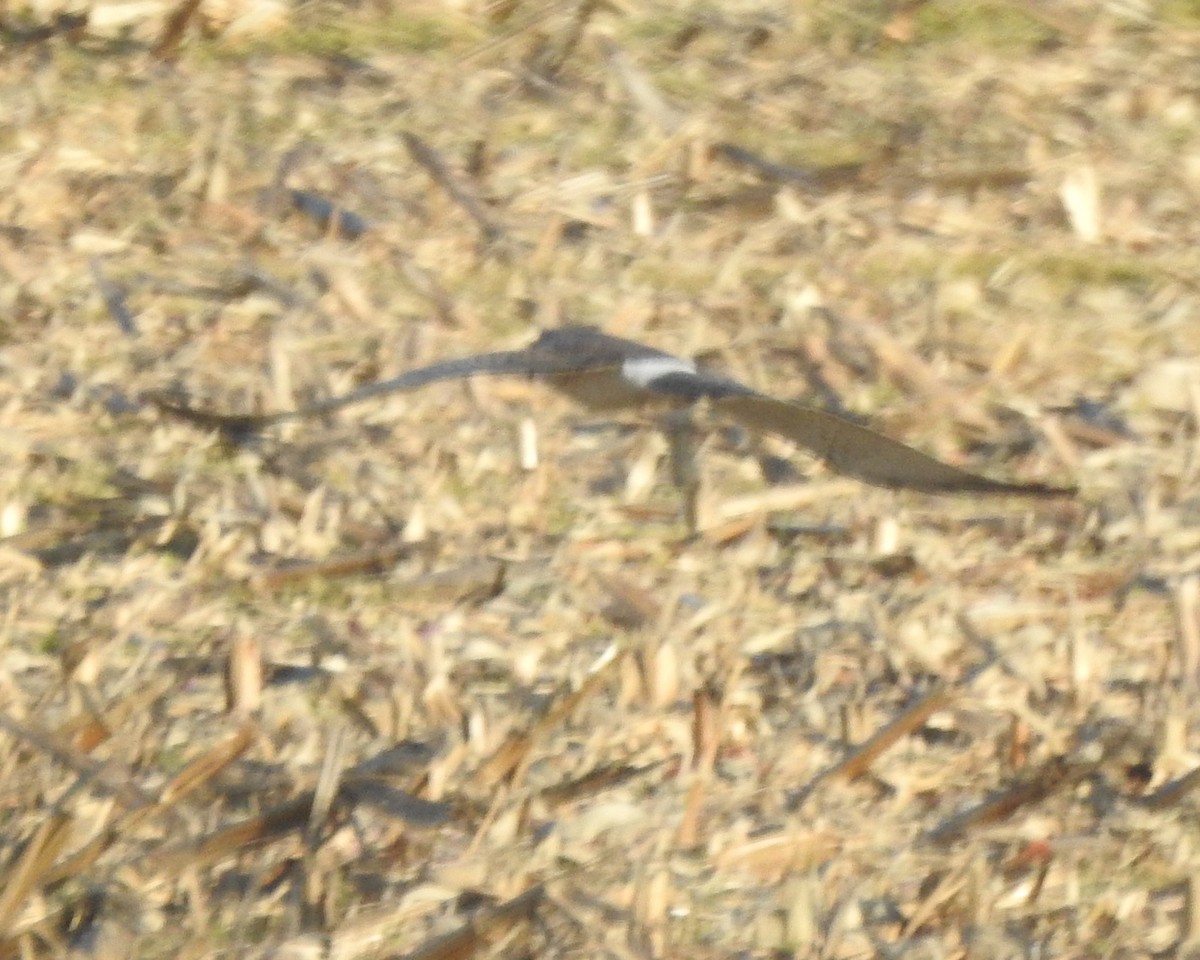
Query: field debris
[(449, 674)]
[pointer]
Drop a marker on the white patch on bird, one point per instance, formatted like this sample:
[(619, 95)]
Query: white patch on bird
[(643, 371)]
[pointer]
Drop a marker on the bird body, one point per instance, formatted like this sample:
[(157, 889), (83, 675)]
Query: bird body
[(610, 373)]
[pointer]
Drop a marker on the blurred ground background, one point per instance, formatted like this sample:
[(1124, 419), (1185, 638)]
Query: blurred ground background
[(443, 676)]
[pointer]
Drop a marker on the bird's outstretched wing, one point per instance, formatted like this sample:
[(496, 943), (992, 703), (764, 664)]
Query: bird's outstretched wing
[(503, 362), (865, 454), (606, 373)]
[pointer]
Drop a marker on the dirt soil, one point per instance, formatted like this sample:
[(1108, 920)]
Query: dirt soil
[(445, 675)]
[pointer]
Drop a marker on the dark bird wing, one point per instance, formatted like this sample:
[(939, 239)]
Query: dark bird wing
[(863, 453), (503, 362)]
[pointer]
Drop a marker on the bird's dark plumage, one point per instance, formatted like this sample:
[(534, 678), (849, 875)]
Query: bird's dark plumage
[(605, 372)]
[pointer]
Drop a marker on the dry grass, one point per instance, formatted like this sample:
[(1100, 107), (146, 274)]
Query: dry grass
[(441, 676)]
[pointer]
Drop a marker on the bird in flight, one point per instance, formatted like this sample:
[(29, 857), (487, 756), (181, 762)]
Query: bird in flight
[(609, 373)]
